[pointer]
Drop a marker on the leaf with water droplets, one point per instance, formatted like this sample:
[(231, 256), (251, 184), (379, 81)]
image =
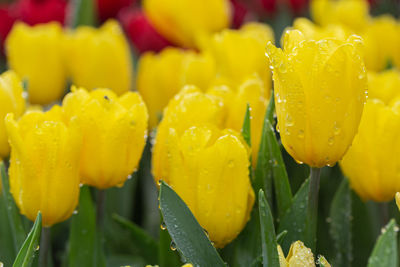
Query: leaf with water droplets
[(268, 238), (385, 250), (29, 249), (144, 242), (294, 220), (84, 240), (17, 230), (270, 165), (246, 130), (185, 231), (340, 225)]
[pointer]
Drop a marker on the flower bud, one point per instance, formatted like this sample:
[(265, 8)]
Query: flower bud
[(100, 58), (35, 54), (114, 131), (11, 101), (183, 22), (44, 164), (320, 90)]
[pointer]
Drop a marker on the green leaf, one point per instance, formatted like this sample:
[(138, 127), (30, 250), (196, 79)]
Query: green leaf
[(167, 257), (322, 262), (268, 238), (145, 243), (185, 231), (84, 240), (83, 12), (246, 129), (29, 249), (385, 250), (14, 219), (270, 164), (294, 221), (340, 226), (281, 236)]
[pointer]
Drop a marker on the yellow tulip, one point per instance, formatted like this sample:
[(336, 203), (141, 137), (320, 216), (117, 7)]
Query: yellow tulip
[(315, 32), (44, 164), (299, 256), (11, 101), (254, 92), (371, 163), (114, 133), (161, 76), (198, 160), (100, 58), (351, 13), (184, 21), (382, 41), (240, 53), (384, 85), (320, 90), (35, 53)]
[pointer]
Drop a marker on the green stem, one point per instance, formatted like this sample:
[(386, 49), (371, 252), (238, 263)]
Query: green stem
[(45, 240), (312, 209), (100, 208), (384, 211)]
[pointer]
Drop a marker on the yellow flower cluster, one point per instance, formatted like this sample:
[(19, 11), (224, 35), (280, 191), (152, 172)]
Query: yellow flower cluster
[(45, 57), (94, 138), (299, 256)]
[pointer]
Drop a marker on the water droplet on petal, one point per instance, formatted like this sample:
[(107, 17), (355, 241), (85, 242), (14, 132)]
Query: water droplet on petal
[(173, 246)]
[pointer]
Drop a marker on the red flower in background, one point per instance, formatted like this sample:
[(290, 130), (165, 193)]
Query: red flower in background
[(110, 8), (6, 22), (239, 13), (141, 33), (40, 11)]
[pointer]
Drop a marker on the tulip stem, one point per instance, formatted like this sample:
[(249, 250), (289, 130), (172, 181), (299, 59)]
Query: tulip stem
[(100, 208), (45, 239), (312, 208)]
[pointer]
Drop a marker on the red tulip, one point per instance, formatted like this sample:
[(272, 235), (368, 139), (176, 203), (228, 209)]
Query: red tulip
[(40, 11), (139, 30), (110, 8), (239, 13), (7, 19)]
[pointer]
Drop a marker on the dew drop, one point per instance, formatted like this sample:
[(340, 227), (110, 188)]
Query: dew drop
[(173, 246), (163, 226), (129, 177), (37, 248), (231, 163), (300, 134), (331, 140), (75, 212)]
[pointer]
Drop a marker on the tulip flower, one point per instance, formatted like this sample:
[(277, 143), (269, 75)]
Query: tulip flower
[(384, 85), (141, 33), (114, 133), (371, 163), (100, 58), (299, 255), (12, 101), (200, 160), (381, 39), (240, 53), (351, 13), (161, 76), (40, 11), (315, 32), (110, 8), (184, 22), (44, 164), (254, 92), (320, 90), (239, 13), (35, 54)]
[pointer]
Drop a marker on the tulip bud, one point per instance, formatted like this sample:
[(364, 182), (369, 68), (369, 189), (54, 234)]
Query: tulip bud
[(100, 58), (299, 255), (114, 133), (314, 32), (240, 53), (198, 160), (161, 76), (320, 90), (35, 54), (34, 12), (44, 164), (384, 85), (142, 34), (11, 101), (183, 22), (110, 8), (351, 13), (371, 163), (381, 39)]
